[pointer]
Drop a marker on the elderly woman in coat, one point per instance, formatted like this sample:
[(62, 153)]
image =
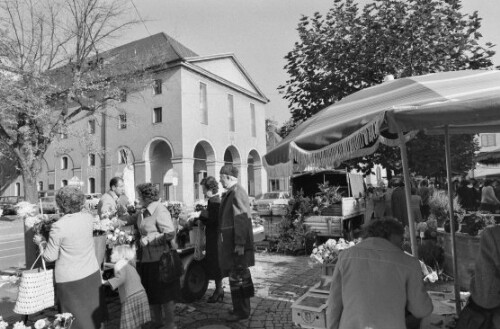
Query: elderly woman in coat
[(157, 230), (77, 273), (210, 217)]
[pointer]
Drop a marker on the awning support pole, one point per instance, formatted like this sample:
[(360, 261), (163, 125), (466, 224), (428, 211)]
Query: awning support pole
[(452, 224), (406, 174)]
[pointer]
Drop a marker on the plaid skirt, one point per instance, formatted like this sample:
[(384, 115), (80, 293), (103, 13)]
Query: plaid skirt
[(135, 311)]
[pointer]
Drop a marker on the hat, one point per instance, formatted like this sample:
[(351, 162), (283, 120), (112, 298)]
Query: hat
[(229, 170)]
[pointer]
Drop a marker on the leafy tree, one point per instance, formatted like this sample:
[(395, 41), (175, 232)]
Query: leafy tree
[(350, 48), (52, 73)]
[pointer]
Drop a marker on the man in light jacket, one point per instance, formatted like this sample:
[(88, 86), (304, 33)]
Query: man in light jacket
[(108, 204), (236, 249), (375, 283)]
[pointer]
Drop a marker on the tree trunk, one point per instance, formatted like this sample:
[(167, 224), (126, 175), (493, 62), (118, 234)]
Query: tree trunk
[(30, 195), (30, 186)]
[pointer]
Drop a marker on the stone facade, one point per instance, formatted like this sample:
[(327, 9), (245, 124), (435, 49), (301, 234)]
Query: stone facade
[(208, 112)]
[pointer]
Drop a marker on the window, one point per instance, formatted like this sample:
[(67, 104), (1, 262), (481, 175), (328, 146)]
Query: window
[(123, 95), (18, 189), (92, 160), (92, 127), (122, 121), (157, 115), (274, 185), (64, 183), (157, 86), (252, 114), (40, 186), (64, 163), (230, 104), (51, 187), (91, 185), (203, 103), (488, 140)]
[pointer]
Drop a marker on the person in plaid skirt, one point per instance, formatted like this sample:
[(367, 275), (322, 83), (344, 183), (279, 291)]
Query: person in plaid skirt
[(135, 307)]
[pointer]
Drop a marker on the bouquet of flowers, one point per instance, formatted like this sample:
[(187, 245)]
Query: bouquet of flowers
[(119, 237), (200, 205), (62, 321), (43, 225), (175, 208), (328, 252), (28, 212), (103, 226), (40, 224)]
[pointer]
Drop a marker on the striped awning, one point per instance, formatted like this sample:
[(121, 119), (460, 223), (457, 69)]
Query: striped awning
[(467, 101)]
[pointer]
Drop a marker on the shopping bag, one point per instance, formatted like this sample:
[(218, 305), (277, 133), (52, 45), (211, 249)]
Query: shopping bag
[(36, 290), (240, 283), (170, 267)]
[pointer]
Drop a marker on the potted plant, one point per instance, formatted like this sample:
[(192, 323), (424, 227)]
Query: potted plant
[(329, 200), (439, 208)]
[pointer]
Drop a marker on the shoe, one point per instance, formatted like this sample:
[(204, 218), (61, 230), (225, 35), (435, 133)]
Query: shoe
[(218, 296), (235, 318)]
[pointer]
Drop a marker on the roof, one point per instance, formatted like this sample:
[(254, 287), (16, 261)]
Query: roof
[(156, 50), (160, 51)]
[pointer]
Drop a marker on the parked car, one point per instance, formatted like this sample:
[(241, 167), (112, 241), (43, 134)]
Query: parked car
[(273, 203), (48, 204), (92, 199)]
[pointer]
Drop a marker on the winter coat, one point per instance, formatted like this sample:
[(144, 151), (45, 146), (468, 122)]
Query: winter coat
[(210, 217), (235, 228)]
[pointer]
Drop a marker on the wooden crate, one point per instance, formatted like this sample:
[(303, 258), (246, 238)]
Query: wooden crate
[(323, 286), (327, 225), (309, 311)]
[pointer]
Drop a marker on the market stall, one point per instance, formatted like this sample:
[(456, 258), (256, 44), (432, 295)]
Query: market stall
[(391, 113), (338, 199)]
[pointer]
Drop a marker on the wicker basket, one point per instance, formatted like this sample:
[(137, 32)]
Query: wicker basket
[(36, 290)]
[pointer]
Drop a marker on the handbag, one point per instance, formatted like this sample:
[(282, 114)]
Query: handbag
[(170, 267), (474, 316), (36, 290), (240, 283)]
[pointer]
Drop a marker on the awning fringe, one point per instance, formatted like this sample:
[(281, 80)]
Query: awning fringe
[(350, 147)]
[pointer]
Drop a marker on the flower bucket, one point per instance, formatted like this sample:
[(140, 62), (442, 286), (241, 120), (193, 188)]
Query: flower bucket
[(327, 269)]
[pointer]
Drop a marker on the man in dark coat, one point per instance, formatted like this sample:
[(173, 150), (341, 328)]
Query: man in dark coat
[(399, 209), (236, 249)]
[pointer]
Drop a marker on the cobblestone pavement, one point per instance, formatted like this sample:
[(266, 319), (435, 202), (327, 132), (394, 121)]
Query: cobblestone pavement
[(279, 280)]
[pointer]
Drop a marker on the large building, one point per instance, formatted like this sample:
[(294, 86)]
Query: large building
[(200, 113)]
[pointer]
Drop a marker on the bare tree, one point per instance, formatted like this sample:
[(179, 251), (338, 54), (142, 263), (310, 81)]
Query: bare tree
[(54, 71)]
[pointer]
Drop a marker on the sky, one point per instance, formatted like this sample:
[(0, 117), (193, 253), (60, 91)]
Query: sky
[(259, 32)]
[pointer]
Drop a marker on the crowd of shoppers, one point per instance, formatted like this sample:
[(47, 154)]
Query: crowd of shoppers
[(79, 282)]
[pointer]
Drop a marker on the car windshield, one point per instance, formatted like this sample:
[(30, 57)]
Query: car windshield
[(271, 196)]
